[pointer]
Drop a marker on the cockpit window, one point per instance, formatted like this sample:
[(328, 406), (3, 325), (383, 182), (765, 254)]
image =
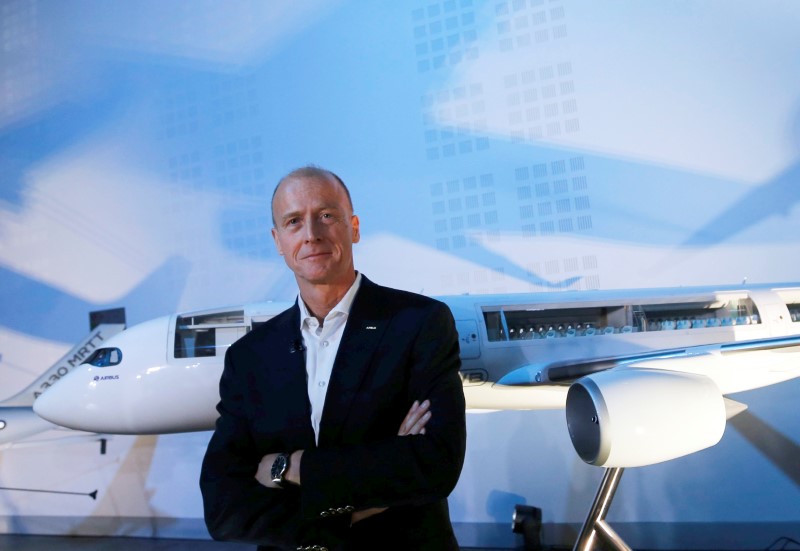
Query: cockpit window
[(105, 357)]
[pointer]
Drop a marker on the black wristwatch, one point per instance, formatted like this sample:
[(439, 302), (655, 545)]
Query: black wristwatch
[(279, 469)]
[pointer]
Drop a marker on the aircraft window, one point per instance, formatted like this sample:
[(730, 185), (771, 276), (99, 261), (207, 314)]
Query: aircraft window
[(206, 342), (504, 323), (494, 326), (200, 335), (794, 312), (213, 318), (529, 324), (105, 357), (697, 315), (195, 343), (792, 300)]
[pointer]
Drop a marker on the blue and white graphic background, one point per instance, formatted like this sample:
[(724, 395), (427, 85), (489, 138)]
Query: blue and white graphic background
[(490, 146)]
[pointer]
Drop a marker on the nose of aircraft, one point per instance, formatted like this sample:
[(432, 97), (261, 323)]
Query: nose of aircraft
[(104, 393)]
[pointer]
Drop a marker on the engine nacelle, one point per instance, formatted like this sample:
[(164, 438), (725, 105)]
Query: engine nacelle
[(635, 417)]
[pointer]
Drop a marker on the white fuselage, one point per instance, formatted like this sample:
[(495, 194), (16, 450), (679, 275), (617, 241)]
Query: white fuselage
[(162, 376)]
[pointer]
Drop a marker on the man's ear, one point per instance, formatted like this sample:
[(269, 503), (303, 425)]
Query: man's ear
[(356, 229), (277, 243)]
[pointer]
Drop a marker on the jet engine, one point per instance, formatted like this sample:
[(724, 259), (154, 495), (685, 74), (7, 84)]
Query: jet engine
[(632, 417)]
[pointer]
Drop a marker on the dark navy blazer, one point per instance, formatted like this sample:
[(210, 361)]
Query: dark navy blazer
[(397, 347)]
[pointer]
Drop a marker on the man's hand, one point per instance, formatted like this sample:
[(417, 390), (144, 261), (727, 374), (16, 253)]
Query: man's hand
[(414, 423)]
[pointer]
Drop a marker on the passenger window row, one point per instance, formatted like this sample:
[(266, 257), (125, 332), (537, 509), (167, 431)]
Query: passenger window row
[(576, 329)]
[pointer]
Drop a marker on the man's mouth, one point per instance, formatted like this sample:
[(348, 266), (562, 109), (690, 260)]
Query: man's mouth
[(319, 254)]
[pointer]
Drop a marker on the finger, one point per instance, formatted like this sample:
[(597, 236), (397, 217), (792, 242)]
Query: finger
[(413, 416), (409, 419), (420, 423)]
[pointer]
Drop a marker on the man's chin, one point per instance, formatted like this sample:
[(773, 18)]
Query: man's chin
[(327, 278)]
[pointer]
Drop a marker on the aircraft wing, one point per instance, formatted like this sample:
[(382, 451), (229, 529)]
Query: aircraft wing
[(643, 409), (496, 396), (19, 423), (734, 367)]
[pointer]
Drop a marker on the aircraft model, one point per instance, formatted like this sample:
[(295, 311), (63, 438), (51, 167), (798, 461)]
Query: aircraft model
[(579, 350), (642, 373)]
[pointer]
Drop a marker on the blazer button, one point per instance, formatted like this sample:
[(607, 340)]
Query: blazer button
[(349, 509), (324, 514)]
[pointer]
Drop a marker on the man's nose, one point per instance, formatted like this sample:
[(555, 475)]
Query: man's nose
[(313, 229)]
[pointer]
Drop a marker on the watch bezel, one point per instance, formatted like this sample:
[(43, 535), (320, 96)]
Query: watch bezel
[(279, 468)]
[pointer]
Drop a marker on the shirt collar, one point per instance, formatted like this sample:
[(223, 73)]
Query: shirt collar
[(342, 307)]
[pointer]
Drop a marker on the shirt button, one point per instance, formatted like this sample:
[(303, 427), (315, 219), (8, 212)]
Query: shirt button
[(325, 343), (321, 383)]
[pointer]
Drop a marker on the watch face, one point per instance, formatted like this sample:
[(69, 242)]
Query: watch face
[(279, 468)]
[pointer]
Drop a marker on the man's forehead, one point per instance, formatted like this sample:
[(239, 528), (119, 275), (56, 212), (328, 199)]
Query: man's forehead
[(307, 180), (319, 192)]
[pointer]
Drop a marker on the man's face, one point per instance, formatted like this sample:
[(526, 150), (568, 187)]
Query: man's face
[(315, 230)]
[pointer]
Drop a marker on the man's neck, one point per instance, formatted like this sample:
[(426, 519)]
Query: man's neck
[(320, 299)]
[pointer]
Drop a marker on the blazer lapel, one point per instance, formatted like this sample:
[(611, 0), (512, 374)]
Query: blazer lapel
[(364, 330), (287, 379), (288, 354)]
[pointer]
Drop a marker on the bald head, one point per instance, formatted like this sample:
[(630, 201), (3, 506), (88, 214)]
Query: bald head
[(310, 172), (314, 231)]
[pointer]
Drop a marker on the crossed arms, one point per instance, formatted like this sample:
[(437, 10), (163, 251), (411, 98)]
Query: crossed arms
[(372, 467)]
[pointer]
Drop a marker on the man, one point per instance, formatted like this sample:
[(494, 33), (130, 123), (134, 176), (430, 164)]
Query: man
[(341, 419)]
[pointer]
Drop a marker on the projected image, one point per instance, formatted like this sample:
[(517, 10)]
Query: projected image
[(490, 146)]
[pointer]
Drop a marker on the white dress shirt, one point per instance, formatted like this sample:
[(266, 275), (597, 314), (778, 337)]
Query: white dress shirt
[(321, 344)]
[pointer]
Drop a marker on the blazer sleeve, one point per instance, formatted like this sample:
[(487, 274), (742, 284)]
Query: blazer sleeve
[(400, 470), (236, 506)]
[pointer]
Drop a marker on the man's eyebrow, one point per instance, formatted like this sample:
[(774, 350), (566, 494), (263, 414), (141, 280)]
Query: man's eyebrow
[(299, 213), (289, 216)]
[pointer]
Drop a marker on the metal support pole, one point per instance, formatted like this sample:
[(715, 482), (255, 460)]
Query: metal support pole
[(595, 527)]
